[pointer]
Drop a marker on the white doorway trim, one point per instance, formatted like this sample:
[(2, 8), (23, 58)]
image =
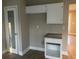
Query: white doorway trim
[(15, 9)]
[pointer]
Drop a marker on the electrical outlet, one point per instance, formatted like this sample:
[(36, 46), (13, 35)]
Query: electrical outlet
[(37, 26)]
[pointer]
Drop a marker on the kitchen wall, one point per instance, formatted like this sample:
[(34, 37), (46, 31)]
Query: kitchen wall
[(4, 45), (38, 28), (65, 26), (23, 24)]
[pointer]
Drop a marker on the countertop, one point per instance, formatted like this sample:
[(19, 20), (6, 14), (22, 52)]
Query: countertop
[(54, 35)]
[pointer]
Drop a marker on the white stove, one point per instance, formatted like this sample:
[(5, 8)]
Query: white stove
[(53, 46)]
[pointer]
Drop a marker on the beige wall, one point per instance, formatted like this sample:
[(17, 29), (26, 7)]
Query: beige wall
[(23, 24), (72, 22), (4, 46), (36, 35), (65, 25)]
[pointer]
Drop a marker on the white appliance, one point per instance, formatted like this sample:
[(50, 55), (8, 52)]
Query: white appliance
[(53, 47)]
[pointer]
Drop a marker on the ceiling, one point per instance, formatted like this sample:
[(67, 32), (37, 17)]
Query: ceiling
[(38, 2)]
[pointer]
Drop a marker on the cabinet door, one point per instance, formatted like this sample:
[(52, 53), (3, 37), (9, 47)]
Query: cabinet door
[(35, 9), (55, 13)]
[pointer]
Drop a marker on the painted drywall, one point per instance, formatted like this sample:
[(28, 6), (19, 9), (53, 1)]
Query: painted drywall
[(4, 46), (65, 26), (72, 22), (23, 24), (37, 39), (38, 28)]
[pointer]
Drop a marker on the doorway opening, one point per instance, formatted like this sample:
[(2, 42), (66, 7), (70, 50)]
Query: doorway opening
[(72, 32), (72, 20), (11, 28)]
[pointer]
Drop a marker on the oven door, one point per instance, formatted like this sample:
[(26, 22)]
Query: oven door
[(52, 49)]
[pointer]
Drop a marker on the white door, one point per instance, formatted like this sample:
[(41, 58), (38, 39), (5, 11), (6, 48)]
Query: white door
[(11, 26)]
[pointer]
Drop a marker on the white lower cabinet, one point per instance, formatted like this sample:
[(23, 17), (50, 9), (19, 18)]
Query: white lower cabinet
[(53, 48)]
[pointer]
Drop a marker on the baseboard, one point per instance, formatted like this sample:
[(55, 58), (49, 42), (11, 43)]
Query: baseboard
[(42, 49), (13, 51), (4, 51), (72, 34), (36, 48), (65, 53), (33, 48), (23, 52)]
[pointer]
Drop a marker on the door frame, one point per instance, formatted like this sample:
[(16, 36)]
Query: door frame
[(15, 9)]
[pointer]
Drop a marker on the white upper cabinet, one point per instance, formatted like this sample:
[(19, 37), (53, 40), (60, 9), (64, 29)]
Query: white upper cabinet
[(54, 13), (35, 9)]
